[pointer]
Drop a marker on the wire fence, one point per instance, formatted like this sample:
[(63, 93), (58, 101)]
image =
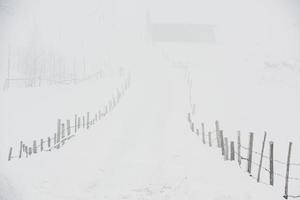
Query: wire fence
[(220, 141)]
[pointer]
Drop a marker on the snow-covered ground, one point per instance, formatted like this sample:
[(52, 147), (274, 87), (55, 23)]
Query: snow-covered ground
[(142, 150)]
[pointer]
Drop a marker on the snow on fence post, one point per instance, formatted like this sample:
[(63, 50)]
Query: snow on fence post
[(42, 145), (271, 163), (287, 172), (87, 120), (58, 133), (261, 156), (68, 127), (10, 153), (203, 133), (21, 146), (34, 147), (75, 125), (232, 151), (209, 139), (226, 148), (222, 143), (218, 133), (250, 150)]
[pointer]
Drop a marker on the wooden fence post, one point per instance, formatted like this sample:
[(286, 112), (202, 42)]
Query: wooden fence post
[(75, 125), (79, 122), (226, 148), (218, 133), (49, 142), (239, 148), (271, 163), (59, 133), (261, 156), (287, 172), (232, 151), (250, 150), (26, 151), (197, 132), (42, 145), (222, 142), (209, 139), (21, 146), (192, 127), (68, 127), (83, 122), (34, 147), (10, 153), (88, 120), (203, 133), (30, 151), (62, 133)]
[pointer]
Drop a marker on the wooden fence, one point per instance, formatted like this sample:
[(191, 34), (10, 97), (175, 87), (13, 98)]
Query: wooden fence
[(67, 129), (232, 151)]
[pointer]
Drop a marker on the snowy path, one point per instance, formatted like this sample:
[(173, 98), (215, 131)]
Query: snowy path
[(142, 150)]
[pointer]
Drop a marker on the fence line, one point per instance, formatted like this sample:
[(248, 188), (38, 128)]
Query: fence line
[(65, 131), (248, 158)]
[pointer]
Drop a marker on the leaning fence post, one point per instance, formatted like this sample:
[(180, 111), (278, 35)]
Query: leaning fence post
[(239, 148), (250, 150), (271, 163), (203, 133), (10, 153), (222, 142), (226, 148), (218, 133), (261, 157), (209, 139), (232, 155), (287, 172), (20, 152)]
